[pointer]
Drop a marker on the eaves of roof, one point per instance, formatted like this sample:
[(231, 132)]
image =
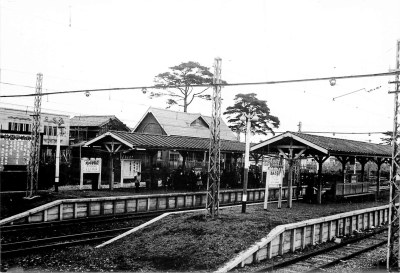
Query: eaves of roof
[(328, 145), (148, 141)]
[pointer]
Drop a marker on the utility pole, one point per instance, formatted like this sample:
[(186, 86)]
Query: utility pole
[(214, 171), (33, 164), (59, 133), (393, 246)]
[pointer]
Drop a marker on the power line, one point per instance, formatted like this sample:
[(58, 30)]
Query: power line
[(26, 86), (369, 91), (144, 88)]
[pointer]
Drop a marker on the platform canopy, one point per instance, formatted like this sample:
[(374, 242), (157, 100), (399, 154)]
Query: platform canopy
[(295, 145), (313, 145)]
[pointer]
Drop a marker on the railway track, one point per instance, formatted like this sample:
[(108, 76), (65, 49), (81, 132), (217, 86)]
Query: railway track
[(22, 239), (324, 258), (27, 238), (23, 247)]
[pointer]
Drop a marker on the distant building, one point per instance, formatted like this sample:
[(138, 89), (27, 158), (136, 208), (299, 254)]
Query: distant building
[(15, 140), (15, 121), (84, 128), (173, 123), (156, 121)]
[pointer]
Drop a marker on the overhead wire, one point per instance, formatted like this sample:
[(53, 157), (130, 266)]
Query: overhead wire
[(143, 88)]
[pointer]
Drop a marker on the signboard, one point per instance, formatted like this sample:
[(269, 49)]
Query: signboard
[(130, 168), (92, 165), (14, 149), (275, 171)]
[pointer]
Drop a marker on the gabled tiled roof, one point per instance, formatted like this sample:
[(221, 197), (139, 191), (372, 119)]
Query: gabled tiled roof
[(93, 121), (326, 145), (345, 146), (177, 123), (147, 141), (90, 120)]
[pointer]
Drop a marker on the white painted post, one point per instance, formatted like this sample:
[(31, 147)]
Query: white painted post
[(280, 197), (266, 189)]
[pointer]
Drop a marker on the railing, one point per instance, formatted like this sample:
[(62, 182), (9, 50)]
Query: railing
[(90, 207), (352, 188), (291, 237)]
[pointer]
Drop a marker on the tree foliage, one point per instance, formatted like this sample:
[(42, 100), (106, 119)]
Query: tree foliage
[(388, 138), (249, 103), (184, 76)]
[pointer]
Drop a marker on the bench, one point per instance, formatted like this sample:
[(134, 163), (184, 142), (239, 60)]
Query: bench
[(351, 190)]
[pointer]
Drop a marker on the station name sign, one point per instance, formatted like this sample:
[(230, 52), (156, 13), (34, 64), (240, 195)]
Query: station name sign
[(92, 165)]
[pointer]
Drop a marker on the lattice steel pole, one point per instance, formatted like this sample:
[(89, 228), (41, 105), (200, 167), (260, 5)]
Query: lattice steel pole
[(214, 171), (393, 250), (33, 164)]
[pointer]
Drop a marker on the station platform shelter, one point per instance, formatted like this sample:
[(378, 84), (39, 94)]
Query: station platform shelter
[(296, 145)]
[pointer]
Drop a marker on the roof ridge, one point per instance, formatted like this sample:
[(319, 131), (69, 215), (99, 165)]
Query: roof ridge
[(336, 138), (169, 110), (175, 136)]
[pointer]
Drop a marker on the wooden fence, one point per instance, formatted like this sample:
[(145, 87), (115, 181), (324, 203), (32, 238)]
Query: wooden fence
[(102, 206), (291, 237)]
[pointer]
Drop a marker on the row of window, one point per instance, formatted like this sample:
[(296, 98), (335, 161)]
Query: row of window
[(50, 130), (27, 128), (19, 127)]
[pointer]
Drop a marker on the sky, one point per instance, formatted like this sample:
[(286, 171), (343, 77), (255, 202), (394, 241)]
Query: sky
[(105, 44)]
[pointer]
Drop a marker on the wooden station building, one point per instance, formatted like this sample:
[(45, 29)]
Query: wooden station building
[(161, 142), (147, 153)]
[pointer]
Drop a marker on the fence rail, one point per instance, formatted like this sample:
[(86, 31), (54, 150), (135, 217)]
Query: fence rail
[(101, 206), (291, 237)]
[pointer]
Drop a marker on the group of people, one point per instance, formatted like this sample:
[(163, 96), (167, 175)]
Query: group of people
[(191, 180)]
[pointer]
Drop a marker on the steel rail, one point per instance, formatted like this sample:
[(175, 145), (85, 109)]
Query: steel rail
[(58, 242)]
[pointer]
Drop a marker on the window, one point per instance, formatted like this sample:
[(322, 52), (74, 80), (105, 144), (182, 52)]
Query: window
[(174, 157), (18, 127), (159, 155), (45, 130)]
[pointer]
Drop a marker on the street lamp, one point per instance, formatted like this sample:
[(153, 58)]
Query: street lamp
[(247, 118)]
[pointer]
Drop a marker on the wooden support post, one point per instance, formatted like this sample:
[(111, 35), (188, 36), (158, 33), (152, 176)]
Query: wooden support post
[(281, 243), (303, 237), (45, 212), (290, 183), (329, 230), (321, 232), (337, 230), (280, 197), (61, 208), (312, 234), (269, 252), (293, 240), (320, 159), (75, 210)]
